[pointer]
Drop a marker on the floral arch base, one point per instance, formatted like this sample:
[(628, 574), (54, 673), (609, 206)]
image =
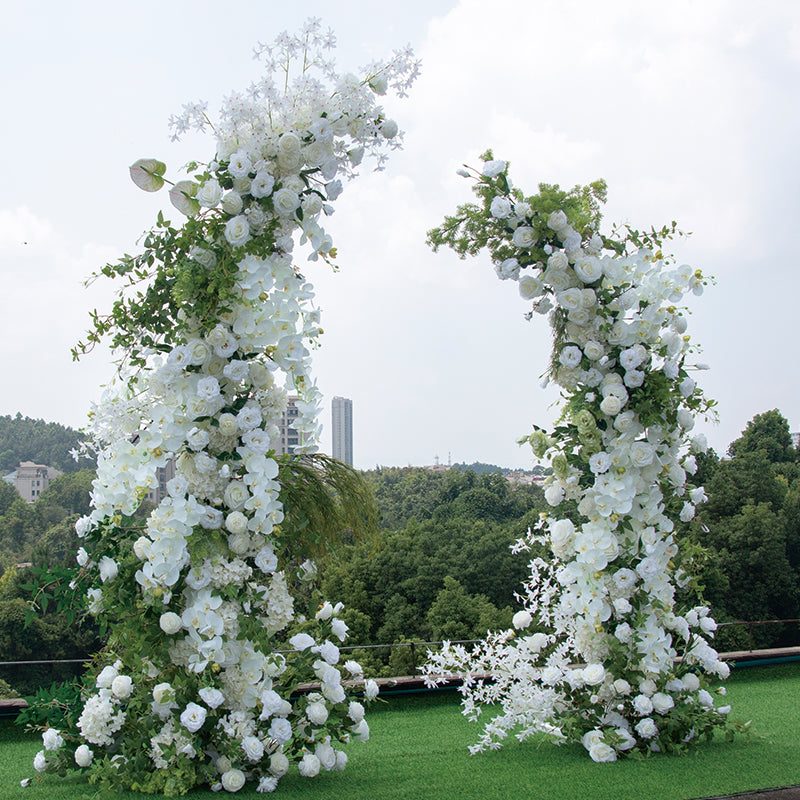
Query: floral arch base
[(604, 565), (208, 639)]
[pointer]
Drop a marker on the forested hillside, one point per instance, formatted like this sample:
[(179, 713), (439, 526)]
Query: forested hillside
[(440, 567), (26, 439)]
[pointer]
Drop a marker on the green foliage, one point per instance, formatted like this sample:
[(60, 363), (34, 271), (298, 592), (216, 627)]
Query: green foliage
[(455, 614), (473, 228)]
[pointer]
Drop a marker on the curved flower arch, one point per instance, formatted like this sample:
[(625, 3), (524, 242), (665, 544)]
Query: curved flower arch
[(214, 325), (622, 458)]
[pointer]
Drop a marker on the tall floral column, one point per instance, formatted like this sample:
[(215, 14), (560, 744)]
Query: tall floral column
[(594, 654), (214, 324)]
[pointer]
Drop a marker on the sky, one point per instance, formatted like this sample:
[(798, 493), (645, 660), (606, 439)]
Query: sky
[(689, 110)]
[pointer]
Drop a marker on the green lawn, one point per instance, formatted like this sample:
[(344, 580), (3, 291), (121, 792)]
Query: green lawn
[(419, 744)]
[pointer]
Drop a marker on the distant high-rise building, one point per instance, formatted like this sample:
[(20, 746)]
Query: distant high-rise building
[(342, 418), (290, 438)]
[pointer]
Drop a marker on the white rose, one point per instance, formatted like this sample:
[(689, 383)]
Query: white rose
[(360, 731), (212, 697), (278, 764), (83, 755), (389, 129), (491, 169), (236, 522), (108, 569), (239, 542), (588, 269), (233, 780), (240, 164), (611, 405), (339, 629), (594, 674), (642, 454), (237, 230), (622, 687), (602, 753), (662, 702), (236, 495), (646, 728), (40, 761), (317, 713), (370, 690), (500, 208), (530, 287), (163, 693), (557, 221), (643, 705), (232, 203), (121, 687), (170, 622), (355, 711), (253, 748), (52, 739), (193, 717), (301, 641), (262, 185), (521, 619), (309, 766), (524, 237), (106, 677), (209, 194)]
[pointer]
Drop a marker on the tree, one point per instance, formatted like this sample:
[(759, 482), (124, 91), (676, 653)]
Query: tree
[(768, 432)]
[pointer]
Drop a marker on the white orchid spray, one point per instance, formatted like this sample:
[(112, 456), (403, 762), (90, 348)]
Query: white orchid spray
[(599, 653), (212, 328)]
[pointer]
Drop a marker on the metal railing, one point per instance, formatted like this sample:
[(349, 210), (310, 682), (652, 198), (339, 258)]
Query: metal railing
[(418, 650)]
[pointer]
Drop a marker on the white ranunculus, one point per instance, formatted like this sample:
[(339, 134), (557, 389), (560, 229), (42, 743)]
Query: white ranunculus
[(170, 622)]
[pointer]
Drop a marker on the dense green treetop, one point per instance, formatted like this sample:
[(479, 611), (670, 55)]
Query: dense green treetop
[(26, 439)]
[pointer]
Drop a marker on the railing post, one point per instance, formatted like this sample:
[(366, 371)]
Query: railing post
[(413, 659)]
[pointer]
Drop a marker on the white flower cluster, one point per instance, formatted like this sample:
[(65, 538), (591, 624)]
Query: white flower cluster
[(606, 598), (208, 578)]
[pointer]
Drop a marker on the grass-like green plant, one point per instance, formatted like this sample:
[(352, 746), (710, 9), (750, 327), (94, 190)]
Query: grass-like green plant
[(419, 745)]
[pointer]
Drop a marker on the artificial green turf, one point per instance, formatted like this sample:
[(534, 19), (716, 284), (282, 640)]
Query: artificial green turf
[(418, 749)]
